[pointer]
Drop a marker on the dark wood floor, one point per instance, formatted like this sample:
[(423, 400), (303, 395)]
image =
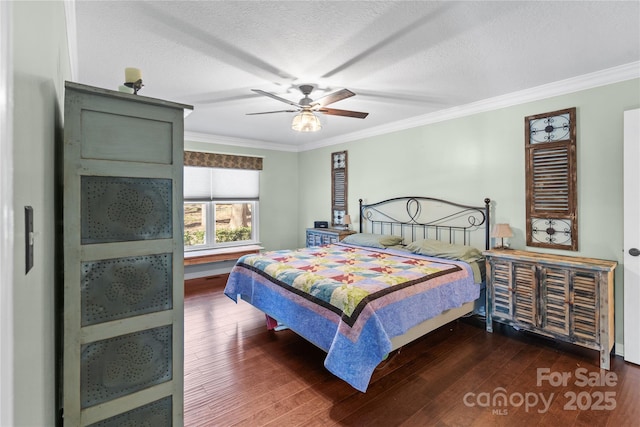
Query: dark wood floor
[(239, 374)]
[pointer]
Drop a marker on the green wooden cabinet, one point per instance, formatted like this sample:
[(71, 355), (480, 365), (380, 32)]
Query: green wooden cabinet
[(122, 315)]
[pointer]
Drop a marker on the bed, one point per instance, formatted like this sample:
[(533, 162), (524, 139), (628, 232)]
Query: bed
[(415, 265)]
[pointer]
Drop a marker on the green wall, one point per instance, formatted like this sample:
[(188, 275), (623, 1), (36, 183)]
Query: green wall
[(40, 67), (482, 155)]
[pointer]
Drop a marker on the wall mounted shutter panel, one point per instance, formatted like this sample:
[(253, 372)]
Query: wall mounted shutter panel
[(551, 180), (338, 187)]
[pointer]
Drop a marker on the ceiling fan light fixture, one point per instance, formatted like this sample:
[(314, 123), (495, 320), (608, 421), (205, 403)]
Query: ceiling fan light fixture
[(306, 121)]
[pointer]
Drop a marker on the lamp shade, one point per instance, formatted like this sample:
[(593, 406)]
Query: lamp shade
[(347, 219), (501, 231), (132, 74), (306, 121)]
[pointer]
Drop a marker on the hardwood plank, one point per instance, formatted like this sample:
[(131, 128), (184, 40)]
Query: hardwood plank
[(627, 396), (471, 383), (410, 360), (239, 373)]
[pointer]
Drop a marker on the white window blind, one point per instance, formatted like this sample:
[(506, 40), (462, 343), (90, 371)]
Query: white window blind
[(202, 183)]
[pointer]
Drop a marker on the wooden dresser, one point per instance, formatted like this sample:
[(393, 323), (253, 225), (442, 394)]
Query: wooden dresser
[(561, 297), (325, 236)]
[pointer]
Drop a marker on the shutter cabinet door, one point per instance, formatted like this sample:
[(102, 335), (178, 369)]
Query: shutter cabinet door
[(555, 299), (502, 294), (525, 293), (585, 306)]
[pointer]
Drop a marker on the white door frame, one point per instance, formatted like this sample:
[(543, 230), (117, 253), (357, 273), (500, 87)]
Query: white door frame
[(6, 216), (631, 234)]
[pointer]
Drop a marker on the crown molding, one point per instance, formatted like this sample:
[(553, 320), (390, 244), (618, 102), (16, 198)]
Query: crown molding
[(587, 81), (575, 84), (238, 142)]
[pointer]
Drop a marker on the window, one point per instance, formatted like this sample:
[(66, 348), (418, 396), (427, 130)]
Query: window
[(220, 207)]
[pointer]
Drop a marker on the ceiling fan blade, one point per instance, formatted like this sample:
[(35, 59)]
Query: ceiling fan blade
[(403, 97), (271, 112), (270, 95), (344, 113), (333, 97)]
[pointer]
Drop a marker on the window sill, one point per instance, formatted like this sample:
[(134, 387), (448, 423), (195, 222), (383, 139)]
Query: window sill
[(217, 255)]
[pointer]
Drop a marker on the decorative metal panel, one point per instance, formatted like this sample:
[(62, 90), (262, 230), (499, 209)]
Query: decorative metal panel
[(552, 231), (119, 366), (550, 128), (124, 287), (339, 160), (154, 414), (117, 209)]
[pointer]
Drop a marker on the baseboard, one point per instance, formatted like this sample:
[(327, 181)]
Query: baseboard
[(206, 283), (619, 350)]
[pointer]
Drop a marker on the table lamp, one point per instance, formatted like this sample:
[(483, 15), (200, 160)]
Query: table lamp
[(501, 231)]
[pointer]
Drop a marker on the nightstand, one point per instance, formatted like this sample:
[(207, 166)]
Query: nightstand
[(561, 297), (325, 236)]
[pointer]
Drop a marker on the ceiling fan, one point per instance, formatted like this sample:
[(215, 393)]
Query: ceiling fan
[(306, 121)]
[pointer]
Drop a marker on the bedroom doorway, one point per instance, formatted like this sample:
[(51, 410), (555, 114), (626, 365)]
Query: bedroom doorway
[(7, 338), (631, 233)]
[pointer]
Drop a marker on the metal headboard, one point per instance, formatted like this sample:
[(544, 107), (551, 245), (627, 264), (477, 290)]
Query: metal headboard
[(416, 218)]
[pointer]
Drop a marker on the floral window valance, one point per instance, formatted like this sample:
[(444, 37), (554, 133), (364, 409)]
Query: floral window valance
[(228, 161)]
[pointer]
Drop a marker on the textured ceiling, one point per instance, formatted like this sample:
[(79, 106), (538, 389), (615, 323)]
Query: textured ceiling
[(403, 59)]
